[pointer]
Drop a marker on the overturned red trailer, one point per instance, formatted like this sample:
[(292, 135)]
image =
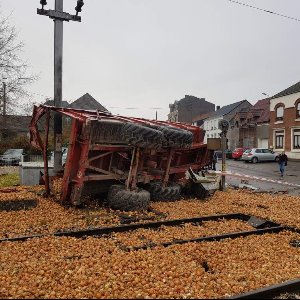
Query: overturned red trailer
[(132, 159)]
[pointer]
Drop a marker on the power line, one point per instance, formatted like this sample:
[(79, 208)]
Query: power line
[(264, 10)]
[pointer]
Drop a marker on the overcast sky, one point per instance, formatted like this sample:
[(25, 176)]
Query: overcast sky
[(146, 54)]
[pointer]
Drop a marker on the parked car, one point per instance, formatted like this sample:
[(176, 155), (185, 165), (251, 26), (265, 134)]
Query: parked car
[(255, 155), (11, 157), (238, 153)]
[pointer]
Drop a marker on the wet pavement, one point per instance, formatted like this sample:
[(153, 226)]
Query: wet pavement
[(269, 170)]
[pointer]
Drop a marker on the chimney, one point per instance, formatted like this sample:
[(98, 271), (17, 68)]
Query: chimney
[(218, 107)]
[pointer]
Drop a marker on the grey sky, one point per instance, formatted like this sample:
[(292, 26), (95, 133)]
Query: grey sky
[(149, 53)]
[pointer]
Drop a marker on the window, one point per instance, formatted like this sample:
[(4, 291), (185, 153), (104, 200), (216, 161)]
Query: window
[(266, 151), (279, 139), (215, 124), (279, 112), (296, 139), (297, 109), (258, 151)]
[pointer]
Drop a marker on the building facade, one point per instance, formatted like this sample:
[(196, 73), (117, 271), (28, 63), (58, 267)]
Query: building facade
[(228, 112), (186, 109), (285, 121), (250, 126)]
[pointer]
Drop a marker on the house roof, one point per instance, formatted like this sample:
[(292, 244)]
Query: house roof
[(264, 106), (202, 117), (291, 90), (87, 102), (225, 110)]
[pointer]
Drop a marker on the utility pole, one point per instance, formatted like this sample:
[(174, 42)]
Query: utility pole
[(223, 126), (4, 98), (58, 16)]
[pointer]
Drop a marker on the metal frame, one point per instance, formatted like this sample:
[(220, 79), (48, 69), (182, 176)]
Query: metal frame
[(97, 162)]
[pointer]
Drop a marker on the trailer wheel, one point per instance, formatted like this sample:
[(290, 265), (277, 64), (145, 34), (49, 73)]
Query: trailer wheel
[(166, 194), (121, 199), (141, 136)]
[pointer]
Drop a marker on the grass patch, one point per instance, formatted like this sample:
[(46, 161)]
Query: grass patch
[(8, 180)]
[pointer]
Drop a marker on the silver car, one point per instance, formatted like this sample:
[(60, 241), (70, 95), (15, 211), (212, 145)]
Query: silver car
[(255, 155), (11, 157)]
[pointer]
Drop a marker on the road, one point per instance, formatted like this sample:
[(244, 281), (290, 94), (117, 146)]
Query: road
[(268, 170)]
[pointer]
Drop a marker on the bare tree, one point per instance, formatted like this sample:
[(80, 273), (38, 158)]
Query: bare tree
[(13, 70)]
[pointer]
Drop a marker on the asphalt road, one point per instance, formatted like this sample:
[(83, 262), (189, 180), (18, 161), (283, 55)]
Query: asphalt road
[(268, 170)]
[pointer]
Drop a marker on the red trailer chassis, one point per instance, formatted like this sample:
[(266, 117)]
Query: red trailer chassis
[(105, 149)]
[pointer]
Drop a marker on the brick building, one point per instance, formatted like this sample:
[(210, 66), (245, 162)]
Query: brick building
[(285, 121), (250, 126), (186, 109)]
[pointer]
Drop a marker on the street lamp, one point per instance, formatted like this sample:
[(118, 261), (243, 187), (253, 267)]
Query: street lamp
[(59, 16)]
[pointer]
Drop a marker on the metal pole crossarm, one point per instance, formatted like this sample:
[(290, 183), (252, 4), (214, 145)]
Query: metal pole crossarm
[(58, 15)]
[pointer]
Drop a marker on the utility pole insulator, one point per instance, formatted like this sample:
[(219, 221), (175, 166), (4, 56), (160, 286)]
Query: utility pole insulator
[(78, 7)]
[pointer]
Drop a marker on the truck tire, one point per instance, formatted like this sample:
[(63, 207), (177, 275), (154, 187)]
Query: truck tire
[(106, 131), (165, 194), (175, 137), (141, 136), (121, 199)]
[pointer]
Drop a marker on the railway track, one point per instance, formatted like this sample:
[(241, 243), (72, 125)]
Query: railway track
[(285, 290), (260, 227)]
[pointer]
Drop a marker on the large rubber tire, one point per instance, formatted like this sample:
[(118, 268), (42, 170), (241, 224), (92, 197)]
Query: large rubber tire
[(172, 192), (107, 131), (175, 137), (141, 136), (121, 199), (254, 160)]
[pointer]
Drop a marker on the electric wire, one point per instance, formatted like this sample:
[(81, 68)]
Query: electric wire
[(264, 10)]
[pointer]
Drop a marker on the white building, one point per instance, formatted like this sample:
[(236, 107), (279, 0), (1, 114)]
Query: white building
[(227, 112)]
